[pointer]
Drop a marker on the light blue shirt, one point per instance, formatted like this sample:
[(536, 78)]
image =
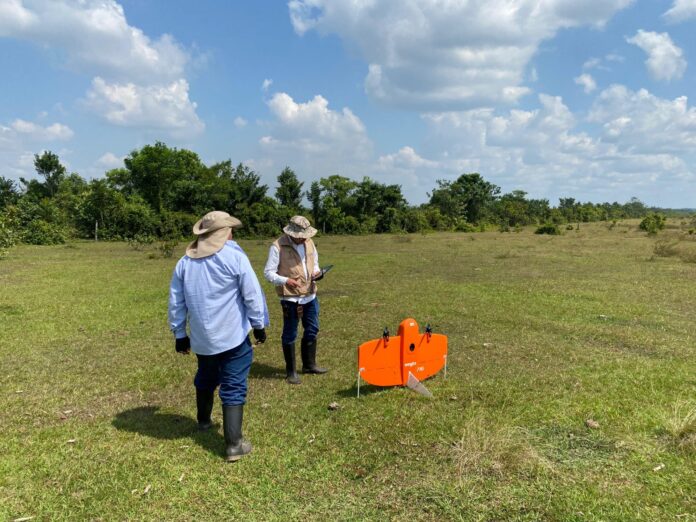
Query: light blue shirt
[(221, 298)]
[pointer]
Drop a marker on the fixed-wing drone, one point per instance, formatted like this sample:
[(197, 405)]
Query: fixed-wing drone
[(404, 359)]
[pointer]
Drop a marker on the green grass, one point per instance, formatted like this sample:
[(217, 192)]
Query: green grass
[(97, 413)]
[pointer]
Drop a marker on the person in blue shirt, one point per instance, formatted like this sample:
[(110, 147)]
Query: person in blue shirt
[(214, 289)]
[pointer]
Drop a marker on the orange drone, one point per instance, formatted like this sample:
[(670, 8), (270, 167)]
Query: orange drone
[(404, 359)]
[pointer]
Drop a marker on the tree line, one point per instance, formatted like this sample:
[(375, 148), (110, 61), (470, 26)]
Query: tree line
[(161, 191)]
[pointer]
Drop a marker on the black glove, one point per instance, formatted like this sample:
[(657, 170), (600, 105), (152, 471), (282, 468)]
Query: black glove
[(260, 335), (183, 345)]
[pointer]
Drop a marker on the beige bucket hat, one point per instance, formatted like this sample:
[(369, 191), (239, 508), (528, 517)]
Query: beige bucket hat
[(212, 230), (300, 227)]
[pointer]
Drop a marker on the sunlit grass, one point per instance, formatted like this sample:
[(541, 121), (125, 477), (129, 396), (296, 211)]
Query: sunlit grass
[(97, 412)]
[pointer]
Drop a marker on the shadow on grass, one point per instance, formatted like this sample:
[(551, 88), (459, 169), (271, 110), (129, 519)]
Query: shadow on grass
[(365, 389), (266, 371), (146, 420)]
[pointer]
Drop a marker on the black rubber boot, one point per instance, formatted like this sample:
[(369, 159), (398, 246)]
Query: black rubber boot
[(309, 357), (237, 446), (290, 367), (204, 405)]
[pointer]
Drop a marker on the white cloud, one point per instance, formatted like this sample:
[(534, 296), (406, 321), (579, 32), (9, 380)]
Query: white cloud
[(592, 63), (588, 83), (14, 17), (94, 36), (680, 11), (35, 132), (665, 60), (240, 122), (599, 63), (266, 85), (164, 107), (639, 120), (312, 127), (314, 138), (109, 160), (435, 54), (138, 81), (643, 146), (20, 139), (405, 158)]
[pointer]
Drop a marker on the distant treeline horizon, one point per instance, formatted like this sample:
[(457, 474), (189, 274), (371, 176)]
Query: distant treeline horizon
[(161, 191)]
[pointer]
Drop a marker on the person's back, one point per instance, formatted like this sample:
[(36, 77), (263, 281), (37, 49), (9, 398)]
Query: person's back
[(215, 290)]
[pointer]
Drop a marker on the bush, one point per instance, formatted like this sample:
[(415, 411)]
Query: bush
[(176, 225), (464, 226), (166, 248), (40, 232), (652, 223), (8, 237), (140, 241), (548, 228), (415, 220)]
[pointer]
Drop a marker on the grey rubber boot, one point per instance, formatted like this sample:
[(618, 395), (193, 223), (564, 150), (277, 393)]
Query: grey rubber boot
[(237, 446), (204, 407), (309, 357), (290, 366)]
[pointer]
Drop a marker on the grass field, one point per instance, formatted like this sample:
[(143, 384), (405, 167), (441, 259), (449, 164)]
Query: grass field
[(97, 413)]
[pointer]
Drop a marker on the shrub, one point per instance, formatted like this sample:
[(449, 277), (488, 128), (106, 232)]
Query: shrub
[(548, 228), (652, 223), (569, 226), (166, 248), (8, 237), (40, 232), (415, 220), (464, 226), (175, 225), (140, 241)]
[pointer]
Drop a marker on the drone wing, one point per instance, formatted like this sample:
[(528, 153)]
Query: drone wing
[(379, 361)]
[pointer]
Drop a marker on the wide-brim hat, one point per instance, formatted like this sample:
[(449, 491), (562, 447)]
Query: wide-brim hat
[(300, 227), (212, 231)]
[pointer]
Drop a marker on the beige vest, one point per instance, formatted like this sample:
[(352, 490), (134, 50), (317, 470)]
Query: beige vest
[(290, 265)]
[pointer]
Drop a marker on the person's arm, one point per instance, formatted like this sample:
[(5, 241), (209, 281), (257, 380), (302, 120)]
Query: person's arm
[(316, 263), (252, 295), (177, 309), (270, 271)]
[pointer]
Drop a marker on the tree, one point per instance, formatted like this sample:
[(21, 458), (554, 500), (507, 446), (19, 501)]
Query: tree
[(372, 197), (289, 191), (569, 208), (49, 167), (469, 197), (314, 196), (513, 209), (163, 176), (8, 192)]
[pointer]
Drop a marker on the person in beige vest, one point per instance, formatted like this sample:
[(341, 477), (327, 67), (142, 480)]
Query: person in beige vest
[(292, 266)]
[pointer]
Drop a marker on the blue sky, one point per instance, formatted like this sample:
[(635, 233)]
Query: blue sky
[(559, 98)]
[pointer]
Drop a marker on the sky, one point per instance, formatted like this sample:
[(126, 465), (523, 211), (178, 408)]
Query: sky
[(590, 99)]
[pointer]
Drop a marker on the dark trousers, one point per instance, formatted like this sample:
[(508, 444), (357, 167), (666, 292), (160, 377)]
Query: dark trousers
[(229, 370), (310, 320)]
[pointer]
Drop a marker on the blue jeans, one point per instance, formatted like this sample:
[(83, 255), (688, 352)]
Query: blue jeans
[(229, 370), (310, 320)]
